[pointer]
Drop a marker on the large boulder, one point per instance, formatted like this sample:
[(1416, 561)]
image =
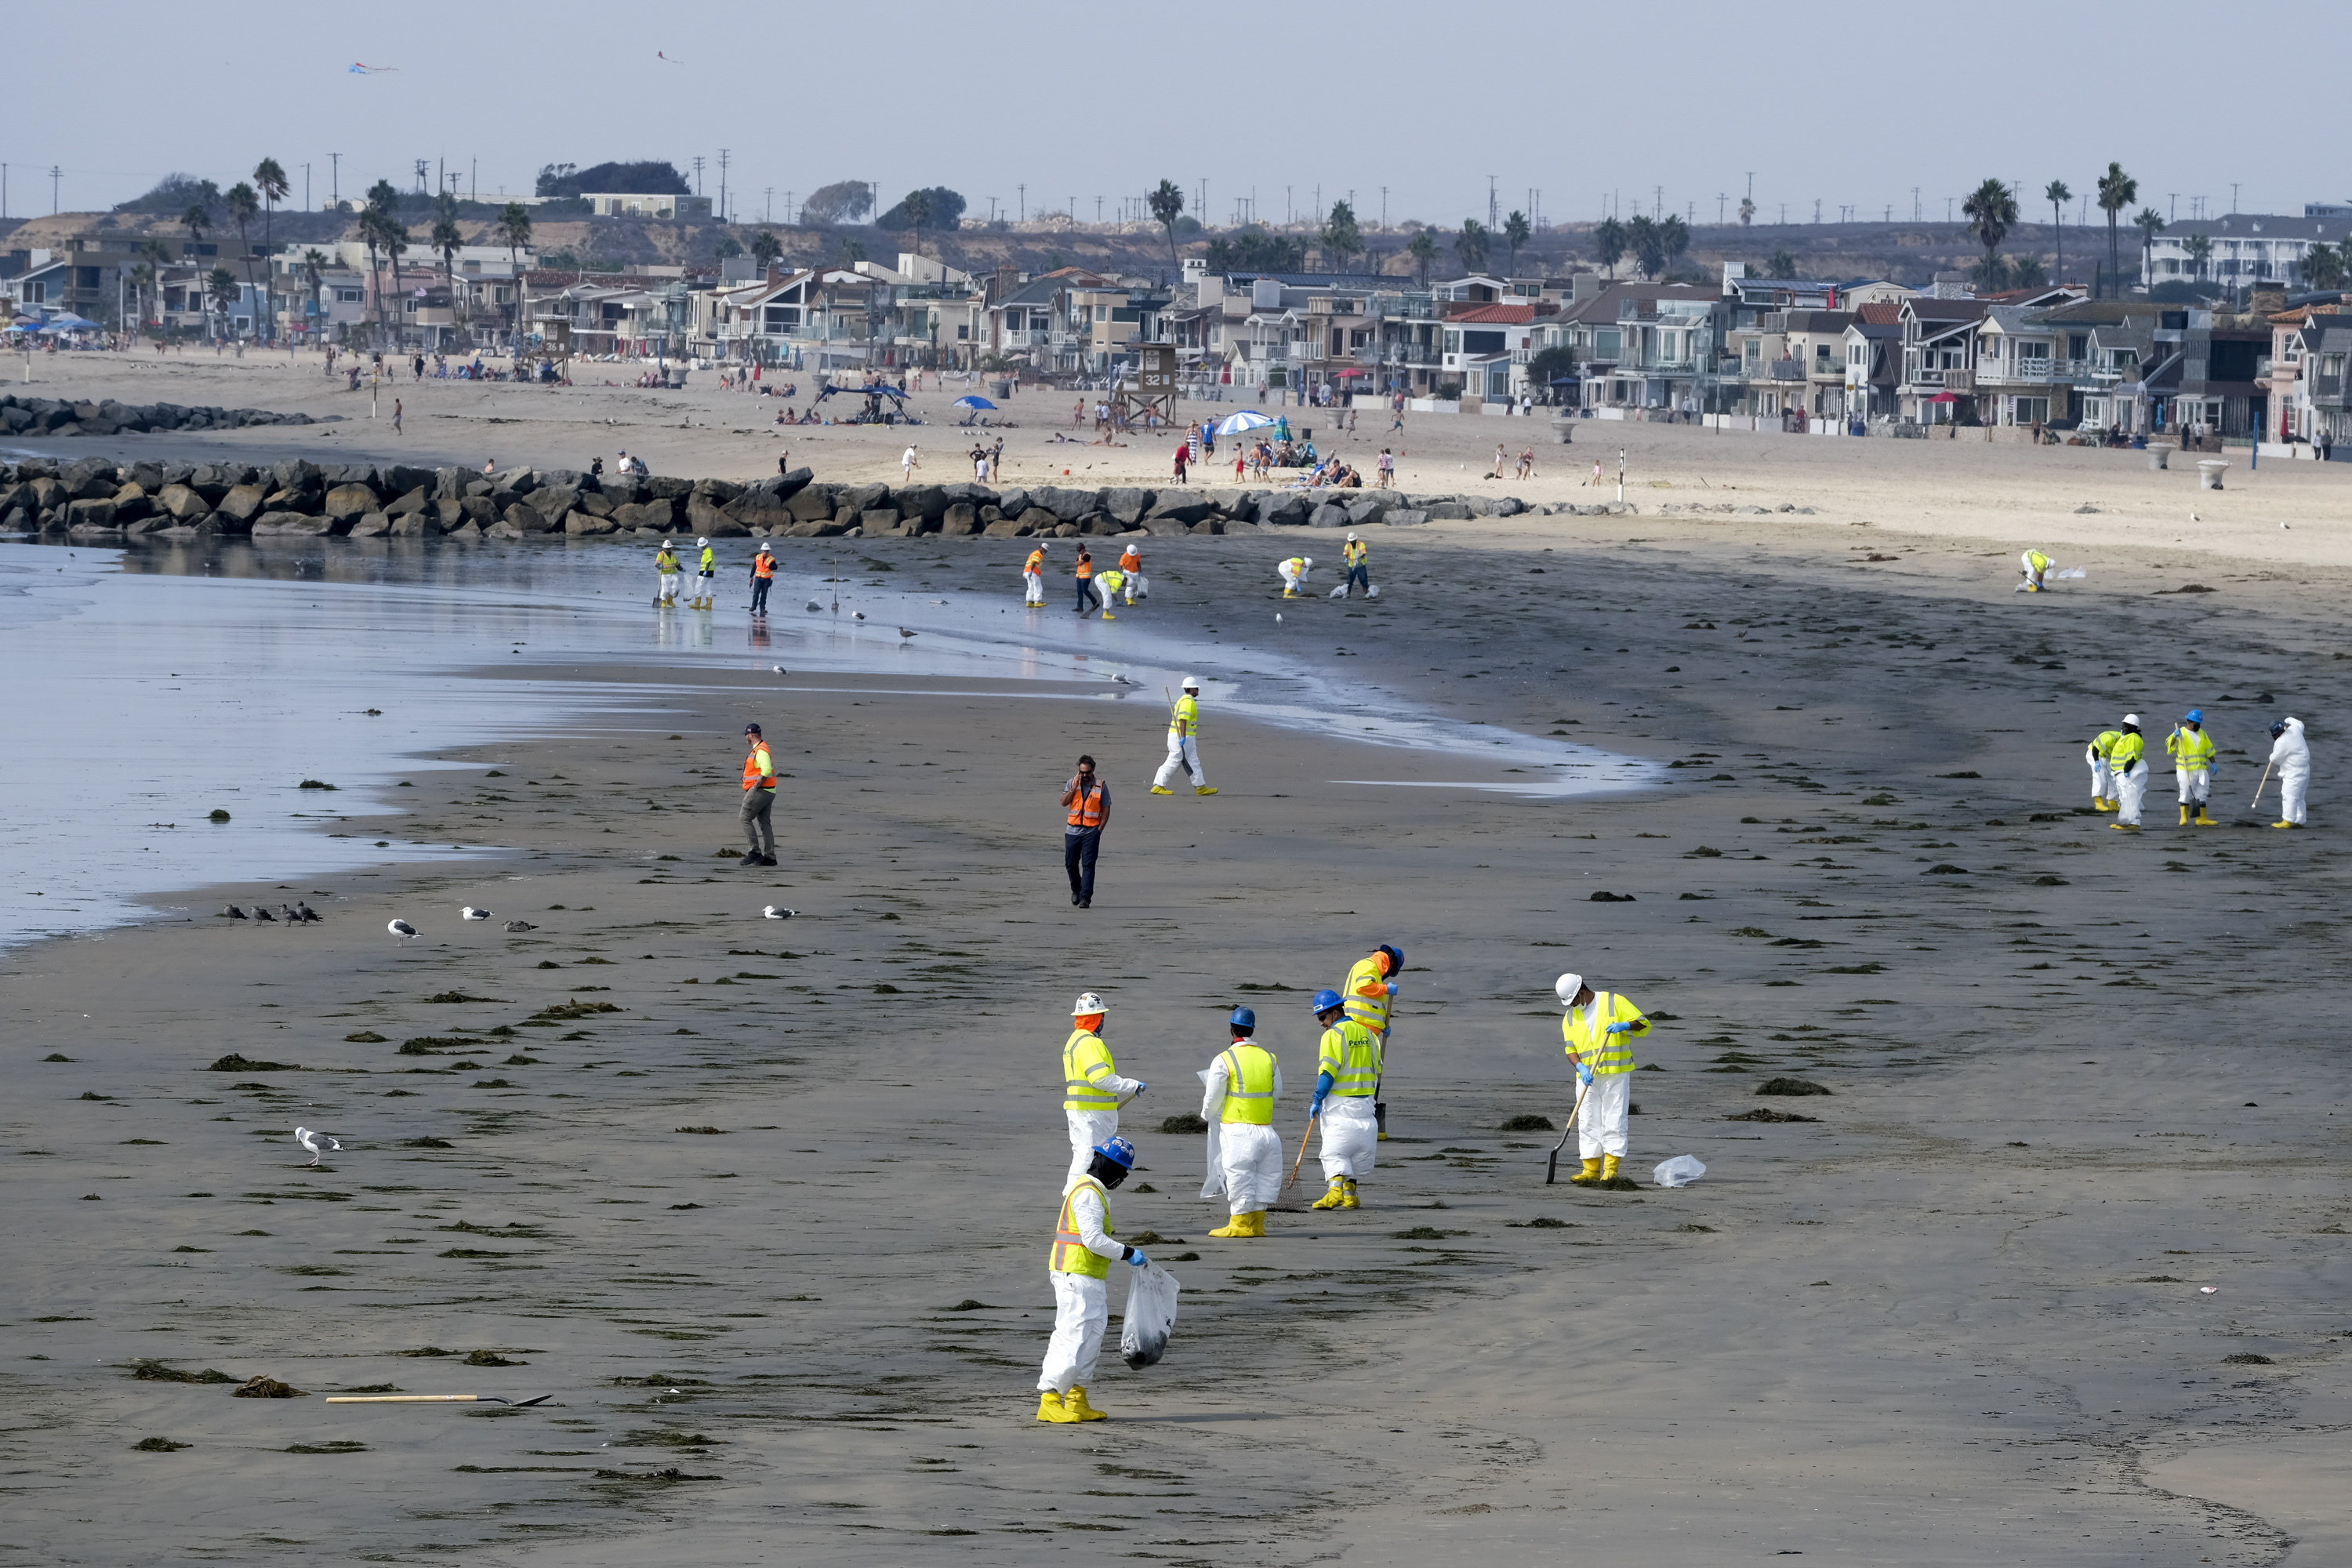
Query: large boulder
[(657, 515), (1014, 503), (133, 503), (399, 479), (1127, 503), (349, 501), (1037, 520), (585, 524), (512, 485), (374, 525), (1404, 517), (418, 524), (92, 513), (525, 519), (717, 492), (1327, 516), (1067, 505), (862, 497), (290, 524), (706, 522), (596, 504), (760, 508), (978, 495), (1179, 506), (928, 503), (811, 503), (92, 479), (786, 486), (555, 500), (295, 474), (882, 520), (410, 504), (1447, 510), (449, 484), (661, 487), (962, 519), (1279, 509), (242, 503), (148, 476), (1165, 527), (1369, 508), (182, 504)]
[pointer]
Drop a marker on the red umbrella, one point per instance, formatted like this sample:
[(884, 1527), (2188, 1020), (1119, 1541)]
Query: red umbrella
[(1346, 373), (1945, 397)]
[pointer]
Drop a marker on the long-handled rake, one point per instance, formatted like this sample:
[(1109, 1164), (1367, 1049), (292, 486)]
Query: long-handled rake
[(432, 1399)]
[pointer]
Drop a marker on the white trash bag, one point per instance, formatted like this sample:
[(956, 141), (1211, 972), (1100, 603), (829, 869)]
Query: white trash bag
[(1679, 1171), (2072, 572), (1339, 593), (1150, 1315), (1373, 592)]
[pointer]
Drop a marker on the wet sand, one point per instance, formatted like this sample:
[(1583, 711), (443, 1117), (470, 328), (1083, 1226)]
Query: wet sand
[(1959, 1318)]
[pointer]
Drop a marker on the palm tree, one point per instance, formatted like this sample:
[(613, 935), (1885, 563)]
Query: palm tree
[(766, 247), (514, 231), (270, 180), (2150, 223), (447, 240), (2199, 250), (1674, 238), (1341, 236), (1747, 211), (2058, 195), (242, 206), (221, 284), (2117, 191), (313, 261), (2323, 267), (1423, 248), (1167, 204), (1471, 245), (919, 211), (396, 244), (1517, 232), (157, 255), (1609, 244), (197, 219), (1991, 211)]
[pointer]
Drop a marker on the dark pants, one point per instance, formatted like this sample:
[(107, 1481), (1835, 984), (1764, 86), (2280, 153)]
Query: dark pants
[(1358, 577), (1080, 848), (1085, 594), (760, 586), (757, 806)]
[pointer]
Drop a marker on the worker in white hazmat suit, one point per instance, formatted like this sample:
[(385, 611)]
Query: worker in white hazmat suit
[(2099, 753), (1597, 1030), (1184, 743), (1079, 1268), (2192, 764), (1092, 1090), (2129, 762), (2037, 568), (1348, 1071), (1244, 1151), (2290, 755), (1293, 573)]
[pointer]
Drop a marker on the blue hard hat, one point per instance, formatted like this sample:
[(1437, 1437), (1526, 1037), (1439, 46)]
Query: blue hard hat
[(1243, 1018), (1119, 1152), (1326, 1000), (2195, 716)]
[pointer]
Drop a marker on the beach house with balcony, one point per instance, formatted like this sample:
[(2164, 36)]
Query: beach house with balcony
[(1939, 359)]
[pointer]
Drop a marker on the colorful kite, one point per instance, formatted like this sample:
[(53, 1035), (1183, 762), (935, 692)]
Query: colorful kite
[(358, 69)]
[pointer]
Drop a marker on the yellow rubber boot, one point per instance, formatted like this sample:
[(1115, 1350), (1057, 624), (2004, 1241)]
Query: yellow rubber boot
[(1158, 789), (1236, 1227), (1074, 1404), (2285, 824), (1204, 789), (1609, 1168), (2203, 819), (1348, 1201), (1335, 1194), (2184, 815), (1258, 1222), (1050, 1407), (1590, 1174)]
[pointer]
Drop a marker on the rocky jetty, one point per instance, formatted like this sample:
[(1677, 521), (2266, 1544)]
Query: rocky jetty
[(56, 416), (101, 499)]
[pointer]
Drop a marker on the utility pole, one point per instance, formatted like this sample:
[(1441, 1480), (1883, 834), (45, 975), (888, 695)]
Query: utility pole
[(1915, 203), (1657, 202), (1721, 201), (335, 179), (1024, 190), (306, 190), (2233, 197), (2171, 205), (3, 190), (767, 205), (1492, 216), (1948, 209), (56, 174), (697, 174), (421, 163), (473, 179), (722, 186)]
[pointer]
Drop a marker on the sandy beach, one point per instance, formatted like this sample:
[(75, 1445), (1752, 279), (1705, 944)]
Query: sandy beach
[(1894, 1333)]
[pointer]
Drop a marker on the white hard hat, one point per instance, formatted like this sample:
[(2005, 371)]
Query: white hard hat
[(1191, 683), (2131, 717), (702, 542), (1351, 539), (1087, 1002), (1567, 987), (1307, 561), (669, 544)]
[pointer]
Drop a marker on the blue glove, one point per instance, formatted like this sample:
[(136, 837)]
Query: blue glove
[(1620, 1028), (1315, 1110), (1135, 1256), (1584, 1074), (1393, 987), (1140, 1087)]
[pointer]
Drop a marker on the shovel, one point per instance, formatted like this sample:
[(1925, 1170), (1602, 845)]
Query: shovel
[(1551, 1168), (432, 1399)]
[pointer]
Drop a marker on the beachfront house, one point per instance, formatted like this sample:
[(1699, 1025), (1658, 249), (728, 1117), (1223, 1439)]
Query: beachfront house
[(1939, 359), (1793, 366), (2238, 249), (1873, 361), (1645, 349), (2057, 365)]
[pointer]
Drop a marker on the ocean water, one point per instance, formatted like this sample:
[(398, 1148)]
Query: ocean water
[(147, 688)]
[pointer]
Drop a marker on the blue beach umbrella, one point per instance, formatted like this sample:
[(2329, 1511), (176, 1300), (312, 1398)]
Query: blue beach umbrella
[(973, 401), (1246, 420)]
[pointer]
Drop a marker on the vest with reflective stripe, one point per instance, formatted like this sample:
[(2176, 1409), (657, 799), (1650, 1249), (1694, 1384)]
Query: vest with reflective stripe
[(2128, 749), (1184, 719), (1585, 1028), (1071, 1255), (2103, 746), (1088, 811), (1249, 1084), (763, 565), (710, 561), (1352, 1054), (666, 563), (758, 770), (1085, 1058), (2191, 749), (1368, 994), (1034, 564)]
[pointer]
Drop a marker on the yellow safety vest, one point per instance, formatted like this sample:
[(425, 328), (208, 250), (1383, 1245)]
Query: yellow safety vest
[(1249, 1084), (2191, 749), (710, 561), (2041, 562), (1071, 1255), (1588, 1038), (1352, 1054), (666, 563), (2104, 746), (1184, 719), (1085, 1060), (1353, 555), (1368, 995), (2127, 750)]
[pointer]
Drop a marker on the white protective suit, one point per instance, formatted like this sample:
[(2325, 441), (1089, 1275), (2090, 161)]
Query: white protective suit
[(665, 588), (1089, 1128), (1033, 588), (1183, 762), (1351, 1135), (1244, 1160), (2131, 787), (2103, 780), (1081, 1303), (1294, 576), (2290, 755), (1601, 1119)]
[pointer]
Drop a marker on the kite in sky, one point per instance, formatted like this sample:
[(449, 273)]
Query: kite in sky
[(665, 59), (358, 69)]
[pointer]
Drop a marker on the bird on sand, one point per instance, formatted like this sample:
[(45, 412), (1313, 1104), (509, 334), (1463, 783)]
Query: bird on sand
[(779, 670), (472, 913), (905, 633), (319, 1144), (285, 914), (519, 927), (306, 911), (232, 913), (402, 929), (856, 615), (775, 913), (262, 914)]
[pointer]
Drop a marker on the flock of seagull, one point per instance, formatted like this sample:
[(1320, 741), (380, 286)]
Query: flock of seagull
[(292, 917)]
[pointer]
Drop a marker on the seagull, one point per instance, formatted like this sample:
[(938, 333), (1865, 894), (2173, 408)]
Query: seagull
[(779, 670), (905, 633), (472, 913), (856, 615), (261, 914), (232, 913), (288, 916), (814, 608), (519, 927), (776, 914), (402, 929), (1277, 617), (319, 1144), (306, 911)]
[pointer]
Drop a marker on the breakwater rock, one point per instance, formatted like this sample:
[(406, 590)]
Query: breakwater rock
[(98, 499), (63, 416)]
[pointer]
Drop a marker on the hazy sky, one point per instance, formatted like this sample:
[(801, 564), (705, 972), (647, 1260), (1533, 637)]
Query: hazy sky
[(1852, 106)]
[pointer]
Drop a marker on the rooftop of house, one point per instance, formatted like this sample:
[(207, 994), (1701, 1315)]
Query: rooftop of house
[(1882, 313), (1494, 315)]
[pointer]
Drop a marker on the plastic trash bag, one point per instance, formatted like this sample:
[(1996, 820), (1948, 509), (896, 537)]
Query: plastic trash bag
[(1679, 1171), (1372, 591), (1339, 593), (2075, 571), (1150, 1315), (1212, 1182)]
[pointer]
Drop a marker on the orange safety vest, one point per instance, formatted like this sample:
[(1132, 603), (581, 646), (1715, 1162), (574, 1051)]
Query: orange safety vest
[(1085, 566), (1130, 561), (763, 567), (1088, 810), (1035, 563), (758, 768)]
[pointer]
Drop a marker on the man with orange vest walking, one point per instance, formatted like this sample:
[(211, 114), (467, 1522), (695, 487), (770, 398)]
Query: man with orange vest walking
[(763, 575), (759, 800), (1088, 800)]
